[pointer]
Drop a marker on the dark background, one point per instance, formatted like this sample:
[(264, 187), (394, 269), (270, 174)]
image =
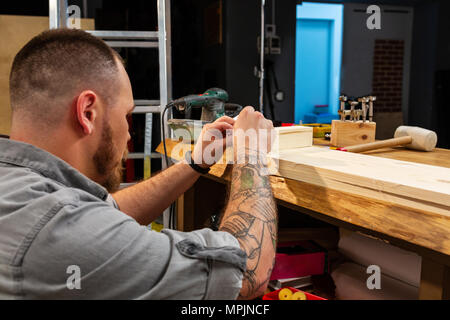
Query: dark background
[(199, 64)]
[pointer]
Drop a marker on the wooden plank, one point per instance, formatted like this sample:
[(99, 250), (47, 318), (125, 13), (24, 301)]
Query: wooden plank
[(435, 281), (15, 32), (406, 183), (438, 157)]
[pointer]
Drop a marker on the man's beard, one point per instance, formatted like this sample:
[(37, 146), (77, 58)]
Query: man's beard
[(104, 161)]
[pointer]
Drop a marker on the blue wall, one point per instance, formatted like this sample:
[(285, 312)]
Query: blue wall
[(318, 57)]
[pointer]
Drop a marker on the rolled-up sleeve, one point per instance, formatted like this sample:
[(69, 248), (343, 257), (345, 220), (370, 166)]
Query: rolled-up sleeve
[(119, 259), (210, 261)]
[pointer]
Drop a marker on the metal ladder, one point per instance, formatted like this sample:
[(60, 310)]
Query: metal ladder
[(160, 39)]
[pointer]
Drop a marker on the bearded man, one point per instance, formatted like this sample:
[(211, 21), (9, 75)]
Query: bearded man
[(60, 208)]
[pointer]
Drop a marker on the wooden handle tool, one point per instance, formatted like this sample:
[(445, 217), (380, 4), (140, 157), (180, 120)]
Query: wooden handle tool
[(378, 144)]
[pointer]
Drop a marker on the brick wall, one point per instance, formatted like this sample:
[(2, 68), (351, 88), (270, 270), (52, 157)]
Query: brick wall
[(388, 75)]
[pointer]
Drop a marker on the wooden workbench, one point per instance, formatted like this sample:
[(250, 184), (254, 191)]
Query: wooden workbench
[(425, 233)]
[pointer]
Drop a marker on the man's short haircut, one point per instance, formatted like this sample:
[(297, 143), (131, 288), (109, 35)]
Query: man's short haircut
[(55, 66)]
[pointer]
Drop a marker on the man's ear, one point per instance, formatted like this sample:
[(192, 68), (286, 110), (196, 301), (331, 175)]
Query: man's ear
[(86, 109)]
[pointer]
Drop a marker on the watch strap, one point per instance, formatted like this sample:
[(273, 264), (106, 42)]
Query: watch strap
[(193, 165)]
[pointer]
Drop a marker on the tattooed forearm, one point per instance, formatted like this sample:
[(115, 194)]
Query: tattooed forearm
[(252, 218)]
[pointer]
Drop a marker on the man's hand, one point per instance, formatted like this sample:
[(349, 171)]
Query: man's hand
[(253, 134), (212, 141)]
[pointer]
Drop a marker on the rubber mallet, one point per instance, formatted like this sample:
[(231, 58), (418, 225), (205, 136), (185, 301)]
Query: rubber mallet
[(411, 137)]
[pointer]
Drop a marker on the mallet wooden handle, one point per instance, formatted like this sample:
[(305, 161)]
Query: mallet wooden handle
[(378, 144)]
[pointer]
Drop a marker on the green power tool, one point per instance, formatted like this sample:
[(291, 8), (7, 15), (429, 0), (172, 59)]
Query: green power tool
[(213, 103)]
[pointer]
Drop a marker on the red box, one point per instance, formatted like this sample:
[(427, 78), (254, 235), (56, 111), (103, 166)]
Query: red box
[(274, 295), (299, 259)]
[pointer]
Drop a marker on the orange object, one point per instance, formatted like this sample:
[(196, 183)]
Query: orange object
[(299, 295), (285, 294), (274, 295)]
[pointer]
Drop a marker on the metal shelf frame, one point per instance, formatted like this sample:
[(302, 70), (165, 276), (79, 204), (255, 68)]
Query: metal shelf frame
[(132, 44), (125, 35)]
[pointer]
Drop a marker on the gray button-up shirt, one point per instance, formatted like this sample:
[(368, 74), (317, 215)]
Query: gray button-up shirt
[(62, 237)]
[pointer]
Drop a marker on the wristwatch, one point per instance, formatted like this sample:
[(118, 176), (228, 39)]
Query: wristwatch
[(188, 157)]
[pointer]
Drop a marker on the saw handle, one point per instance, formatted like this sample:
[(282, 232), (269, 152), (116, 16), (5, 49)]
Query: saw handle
[(378, 144)]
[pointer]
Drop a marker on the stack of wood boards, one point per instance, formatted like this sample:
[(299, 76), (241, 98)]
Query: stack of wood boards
[(410, 184)]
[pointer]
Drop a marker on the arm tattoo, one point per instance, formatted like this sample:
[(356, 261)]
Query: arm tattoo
[(251, 217)]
